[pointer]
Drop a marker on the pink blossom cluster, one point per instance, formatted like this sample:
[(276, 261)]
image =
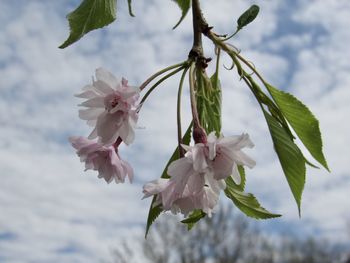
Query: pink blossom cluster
[(111, 109), (197, 178)]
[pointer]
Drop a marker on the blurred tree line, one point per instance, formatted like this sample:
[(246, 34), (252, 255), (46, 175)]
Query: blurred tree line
[(225, 238)]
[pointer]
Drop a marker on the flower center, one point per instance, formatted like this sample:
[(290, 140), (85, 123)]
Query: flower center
[(111, 101)]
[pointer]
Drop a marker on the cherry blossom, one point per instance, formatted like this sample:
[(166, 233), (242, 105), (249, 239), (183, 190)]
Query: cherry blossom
[(197, 179), (226, 153), (111, 108), (104, 159), (205, 198), (186, 190), (191, 185)]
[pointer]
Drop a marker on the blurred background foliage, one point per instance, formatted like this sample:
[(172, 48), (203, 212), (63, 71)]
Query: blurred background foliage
[(227, 237)]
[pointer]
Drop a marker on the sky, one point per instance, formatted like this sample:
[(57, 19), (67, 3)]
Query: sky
[(53, 211)]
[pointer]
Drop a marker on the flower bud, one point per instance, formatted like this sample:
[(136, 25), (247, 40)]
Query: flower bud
[(199, 135)]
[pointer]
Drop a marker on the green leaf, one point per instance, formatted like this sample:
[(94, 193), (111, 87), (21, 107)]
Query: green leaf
[(193, 218), (241, 171), (184, 6), (290, 156), (262, 98), (247, 17), (130, 8), (90, 15), (154, 211), (208, 99), (311, 164), (304, 123), (216, 99), (247, 203)]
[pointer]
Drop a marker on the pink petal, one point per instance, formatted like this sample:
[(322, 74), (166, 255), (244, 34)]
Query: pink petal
[(195, 183), (76, 141), (222, 166), (129, 92), (186, 205), (107, 128), (169, 195)]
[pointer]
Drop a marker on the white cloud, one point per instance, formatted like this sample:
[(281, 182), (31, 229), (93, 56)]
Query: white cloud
[(56, 212)]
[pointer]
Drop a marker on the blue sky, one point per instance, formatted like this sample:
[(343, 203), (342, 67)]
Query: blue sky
[(52, 211)]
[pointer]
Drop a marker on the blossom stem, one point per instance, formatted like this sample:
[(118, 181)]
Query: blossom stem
[(144, 85), (220, 44), (196, 122), (179, 132), (234, 55), (157, 83), (251, 67), (200, 62), (117, 143), (217, 66), (231, 36)]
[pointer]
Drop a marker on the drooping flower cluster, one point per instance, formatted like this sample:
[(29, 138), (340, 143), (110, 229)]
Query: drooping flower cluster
[(197, 178), (111, 108), (104, 159)]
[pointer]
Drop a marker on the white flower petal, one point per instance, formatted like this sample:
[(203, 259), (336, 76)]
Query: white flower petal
[(87, 94), (185, 205), (237, 142), (126, 132), (222, 184), (179, 167), (103, 87), (180, 171), (91, 123), (186, 147), (97, 102), (199, 159), (107, 128), (90, 114), (243, 159), (195, 183), (211, 143), (129, 170), (93, 134), (236, 175), (222, 166), (154, 187), (107, 77)]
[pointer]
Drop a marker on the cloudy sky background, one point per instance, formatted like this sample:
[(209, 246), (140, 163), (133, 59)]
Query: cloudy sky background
[(52, 211)]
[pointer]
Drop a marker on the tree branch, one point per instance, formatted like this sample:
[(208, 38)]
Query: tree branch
[(199, 24)]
